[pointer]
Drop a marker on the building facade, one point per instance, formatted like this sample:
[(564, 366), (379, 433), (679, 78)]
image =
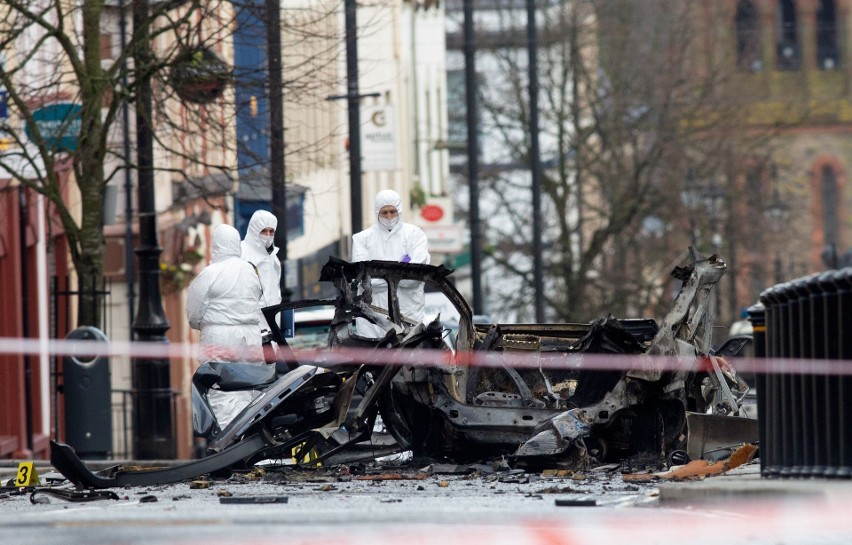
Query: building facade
[(211, 157)]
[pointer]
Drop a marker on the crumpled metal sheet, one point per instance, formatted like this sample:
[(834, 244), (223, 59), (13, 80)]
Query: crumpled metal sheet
[(684, 333)]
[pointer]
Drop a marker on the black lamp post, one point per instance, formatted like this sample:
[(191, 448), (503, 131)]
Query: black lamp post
[(473, 156), (153, 436), (276, 136), (535, 163)]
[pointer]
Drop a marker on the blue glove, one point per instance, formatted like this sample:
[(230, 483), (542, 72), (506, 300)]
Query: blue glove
[(405, 259)]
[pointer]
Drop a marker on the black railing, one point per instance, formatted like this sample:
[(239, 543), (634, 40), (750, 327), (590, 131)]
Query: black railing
[(123, 419), (806, 413)]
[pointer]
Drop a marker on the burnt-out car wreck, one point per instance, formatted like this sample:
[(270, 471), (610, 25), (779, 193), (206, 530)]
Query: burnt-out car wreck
[(515, 391)]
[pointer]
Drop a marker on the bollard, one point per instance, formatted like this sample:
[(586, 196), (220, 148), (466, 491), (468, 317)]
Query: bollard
[(757, 317), (787, 420), (771, 450), (819, 292), (803, 452), (833, 387), (843, 281)]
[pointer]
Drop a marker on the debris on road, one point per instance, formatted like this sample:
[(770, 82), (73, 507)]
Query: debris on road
[(699, 469)]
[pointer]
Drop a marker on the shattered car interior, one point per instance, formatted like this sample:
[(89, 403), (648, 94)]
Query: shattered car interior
[(537, 395)]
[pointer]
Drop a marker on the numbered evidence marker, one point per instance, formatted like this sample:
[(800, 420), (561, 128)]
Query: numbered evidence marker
[(27, 475)]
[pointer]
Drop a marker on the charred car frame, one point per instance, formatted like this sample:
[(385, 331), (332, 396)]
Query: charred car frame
[(514, 390)]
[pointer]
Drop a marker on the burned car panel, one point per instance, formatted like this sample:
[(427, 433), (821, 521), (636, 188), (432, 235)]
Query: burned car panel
[(650, 393)]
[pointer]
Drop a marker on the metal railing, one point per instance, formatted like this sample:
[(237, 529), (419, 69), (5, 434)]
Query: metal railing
[(123, 420), (805, 412)]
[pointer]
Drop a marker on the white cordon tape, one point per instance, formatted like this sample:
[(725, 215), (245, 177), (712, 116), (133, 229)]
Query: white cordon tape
[(87, 350)]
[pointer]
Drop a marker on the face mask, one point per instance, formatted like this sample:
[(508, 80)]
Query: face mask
[(267, 240), (388, 223)]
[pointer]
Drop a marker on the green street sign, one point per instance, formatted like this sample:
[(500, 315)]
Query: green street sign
[(58, 124)]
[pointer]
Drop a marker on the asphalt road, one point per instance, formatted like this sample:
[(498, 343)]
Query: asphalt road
[(326, 506)]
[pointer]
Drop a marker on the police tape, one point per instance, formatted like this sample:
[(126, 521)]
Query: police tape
[(88, 350)]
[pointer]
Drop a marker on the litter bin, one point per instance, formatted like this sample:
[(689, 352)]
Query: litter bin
[(86, 387)]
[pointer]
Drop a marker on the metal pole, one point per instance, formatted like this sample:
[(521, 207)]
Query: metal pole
[(153, 430), (472, 157), (276, 136), (353, 102), (129, 268), (25, 305), (535, 162)]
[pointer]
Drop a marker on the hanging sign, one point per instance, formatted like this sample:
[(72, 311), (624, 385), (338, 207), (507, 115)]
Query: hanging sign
[(58, 125), (378, 139), (432, 212)]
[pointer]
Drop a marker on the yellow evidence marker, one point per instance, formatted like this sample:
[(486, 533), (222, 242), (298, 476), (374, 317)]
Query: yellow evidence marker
[(27, 475), (307, 458)]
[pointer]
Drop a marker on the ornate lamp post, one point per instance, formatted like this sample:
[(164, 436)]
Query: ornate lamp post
[(153, 436)]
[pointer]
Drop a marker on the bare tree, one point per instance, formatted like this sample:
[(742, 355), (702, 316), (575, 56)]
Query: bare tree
[(632, 104), (60, 52)]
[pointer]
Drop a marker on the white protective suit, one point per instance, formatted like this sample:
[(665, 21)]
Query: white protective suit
[(223, 302), (402, 242), (255, 251)]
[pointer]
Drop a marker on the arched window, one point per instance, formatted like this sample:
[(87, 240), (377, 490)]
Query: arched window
[(829, 195), (828, 54), (786, 35), (748, 36)]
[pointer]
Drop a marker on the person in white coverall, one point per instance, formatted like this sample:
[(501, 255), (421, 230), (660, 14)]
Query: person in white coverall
[(258, 248), (391, 239), (223, 302)]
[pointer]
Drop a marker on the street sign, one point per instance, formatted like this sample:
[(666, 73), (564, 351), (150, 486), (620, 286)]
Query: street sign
[(4, 100), (58, 124)]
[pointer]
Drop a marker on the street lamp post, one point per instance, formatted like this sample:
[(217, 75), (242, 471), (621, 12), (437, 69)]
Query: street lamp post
[(152, 404), (473, 156), (277, 178), (535, 163)]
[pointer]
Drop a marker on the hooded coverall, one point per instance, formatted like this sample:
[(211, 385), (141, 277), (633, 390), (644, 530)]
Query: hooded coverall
[(399, 242), (264, 258), (223, 302)]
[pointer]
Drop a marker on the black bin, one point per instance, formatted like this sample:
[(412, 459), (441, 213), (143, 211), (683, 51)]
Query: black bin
[(86, 387)]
